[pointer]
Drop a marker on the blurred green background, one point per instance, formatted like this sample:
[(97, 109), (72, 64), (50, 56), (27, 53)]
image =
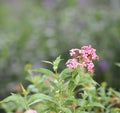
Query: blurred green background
[(36, 30)]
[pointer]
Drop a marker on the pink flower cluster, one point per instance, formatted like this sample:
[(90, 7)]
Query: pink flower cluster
[(31, 111), (82, 57)]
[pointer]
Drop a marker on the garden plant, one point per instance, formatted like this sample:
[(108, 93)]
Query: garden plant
[(72, 90), (36, 30)]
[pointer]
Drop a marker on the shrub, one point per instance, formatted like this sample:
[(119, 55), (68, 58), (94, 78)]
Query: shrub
[(73, 90)]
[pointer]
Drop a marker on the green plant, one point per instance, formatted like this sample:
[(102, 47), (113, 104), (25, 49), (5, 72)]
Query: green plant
[(72, 90), (33, 29)]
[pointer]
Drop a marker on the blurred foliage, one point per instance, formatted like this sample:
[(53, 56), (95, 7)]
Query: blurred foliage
[(31, 31)]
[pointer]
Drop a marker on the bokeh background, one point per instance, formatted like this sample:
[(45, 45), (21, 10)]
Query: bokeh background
[(36, 30)]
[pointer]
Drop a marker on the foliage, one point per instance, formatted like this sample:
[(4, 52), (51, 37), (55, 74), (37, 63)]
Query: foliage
[(35, 30), (68, 91)]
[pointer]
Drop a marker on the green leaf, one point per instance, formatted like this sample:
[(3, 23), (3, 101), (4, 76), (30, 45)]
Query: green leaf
[(66, 110), (53, 84), (87, 78), (56, 63), (71, 86), (115, 92), (95, 104), (81, 111), (77, 79), (65, 72), (32, 88), (115, 110), (82, 102), (44, 71), (25, 93), (40, 97), (8, 99), (18, 99), (70, 98), (48, 62), (118, 64)]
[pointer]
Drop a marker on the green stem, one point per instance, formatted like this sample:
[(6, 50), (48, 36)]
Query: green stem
[(26, 104), (74, 110)]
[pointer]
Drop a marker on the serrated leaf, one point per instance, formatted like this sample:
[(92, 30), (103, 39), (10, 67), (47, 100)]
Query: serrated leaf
[(44, 71)]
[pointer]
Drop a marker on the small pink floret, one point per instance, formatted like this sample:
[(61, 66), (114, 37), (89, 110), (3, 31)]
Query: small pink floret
[(83, 65), (72, 63), (74, 52), (31, 111), (90, 67)]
